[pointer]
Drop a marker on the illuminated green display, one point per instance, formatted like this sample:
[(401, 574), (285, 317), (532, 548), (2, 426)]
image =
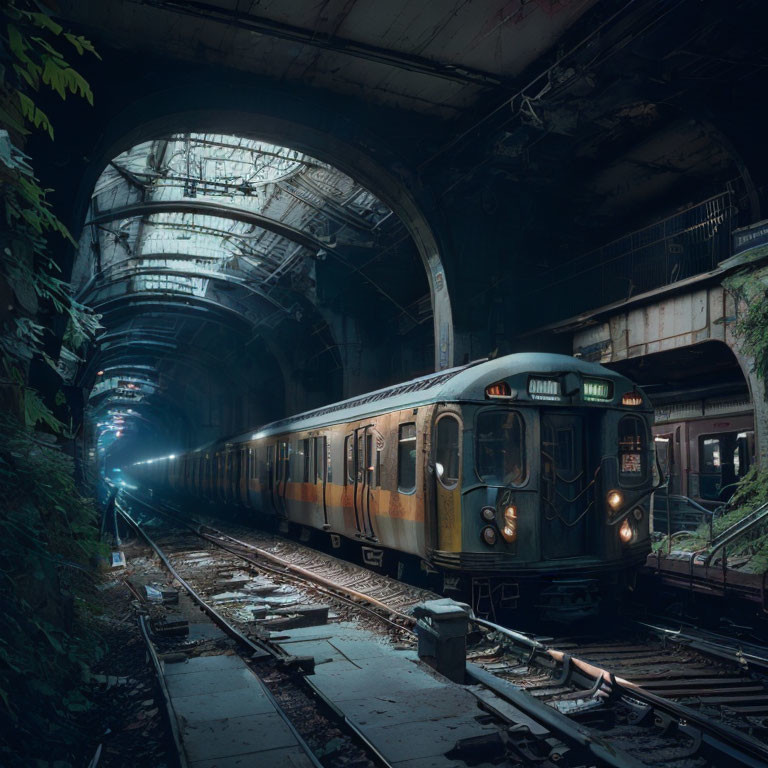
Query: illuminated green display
[(594, 389)]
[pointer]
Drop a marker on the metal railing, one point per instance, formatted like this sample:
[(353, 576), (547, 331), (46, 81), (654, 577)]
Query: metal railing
[(680, 246)]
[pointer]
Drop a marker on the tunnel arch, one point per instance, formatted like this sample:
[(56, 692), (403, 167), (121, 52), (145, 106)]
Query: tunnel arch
[(112, 280), (325, 133)]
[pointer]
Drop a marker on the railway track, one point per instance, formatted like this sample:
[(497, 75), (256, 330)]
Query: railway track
[(314, 725), (652, 697)]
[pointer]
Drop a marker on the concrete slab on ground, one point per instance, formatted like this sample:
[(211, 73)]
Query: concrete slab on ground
[(410, 714), (226, 718)]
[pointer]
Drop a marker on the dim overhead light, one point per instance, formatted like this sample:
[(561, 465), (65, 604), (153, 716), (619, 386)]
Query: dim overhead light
[(99, 373)]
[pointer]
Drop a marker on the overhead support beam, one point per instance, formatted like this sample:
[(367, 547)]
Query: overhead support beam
[(339, 45), (205, 208), (145, 299), (126, 274)]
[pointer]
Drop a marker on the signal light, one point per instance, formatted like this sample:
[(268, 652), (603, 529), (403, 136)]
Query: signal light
[(489, 535), (632, 399), (499, 389)]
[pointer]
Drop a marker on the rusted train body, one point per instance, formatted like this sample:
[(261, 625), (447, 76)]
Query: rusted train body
[(524, 478), (705, 447)]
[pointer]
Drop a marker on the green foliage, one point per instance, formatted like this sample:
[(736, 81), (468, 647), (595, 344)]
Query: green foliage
[(48, 534), (32, 61), (752, 324), (751, 492)]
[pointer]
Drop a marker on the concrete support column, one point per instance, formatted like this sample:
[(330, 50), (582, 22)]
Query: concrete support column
[(757, 393)]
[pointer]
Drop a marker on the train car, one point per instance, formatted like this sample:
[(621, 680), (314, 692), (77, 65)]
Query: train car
[(523, 480), (705, 447)]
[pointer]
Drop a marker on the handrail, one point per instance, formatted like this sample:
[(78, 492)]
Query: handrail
[(736, 530)]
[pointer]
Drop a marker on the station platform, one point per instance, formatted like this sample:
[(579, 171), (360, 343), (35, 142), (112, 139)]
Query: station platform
[(408, 713)]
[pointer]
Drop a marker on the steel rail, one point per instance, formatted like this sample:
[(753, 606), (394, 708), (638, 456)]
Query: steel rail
[(169, 710), (308, 575), (552, 718), (738, 746), (351, 597), (253, 646)]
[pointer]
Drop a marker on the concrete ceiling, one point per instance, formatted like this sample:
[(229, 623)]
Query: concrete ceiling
[(438, 57)]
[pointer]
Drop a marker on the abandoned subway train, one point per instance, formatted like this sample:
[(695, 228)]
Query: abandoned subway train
[(524, 478)]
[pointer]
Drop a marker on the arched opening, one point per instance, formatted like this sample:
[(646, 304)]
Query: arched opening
[(705, 418), (238, 280)]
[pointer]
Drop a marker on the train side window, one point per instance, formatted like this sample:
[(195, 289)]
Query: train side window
[(349, 459), (447, 451), (633, 451), (406, 458), (742, 454), (500, 448), (709, 455)]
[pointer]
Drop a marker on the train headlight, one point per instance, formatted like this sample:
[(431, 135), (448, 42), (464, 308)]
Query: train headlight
[(638, 513), (626, 532), (488, 514), (489, 535), (615, 499), (509, 531)]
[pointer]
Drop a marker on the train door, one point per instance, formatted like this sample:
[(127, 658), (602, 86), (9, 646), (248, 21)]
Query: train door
[(565, 486), (321, 474), (669, 461), (271, 472), (281, 480), (237, 466), (363, 472), (447, 463)]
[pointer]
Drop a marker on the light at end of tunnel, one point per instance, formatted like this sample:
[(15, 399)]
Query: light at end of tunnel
[(119, 433), (172, 456), (625, 532)]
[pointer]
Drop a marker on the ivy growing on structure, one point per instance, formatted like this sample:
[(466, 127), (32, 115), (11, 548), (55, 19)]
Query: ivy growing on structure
[(751, 293), (29, 63), (48, 535)]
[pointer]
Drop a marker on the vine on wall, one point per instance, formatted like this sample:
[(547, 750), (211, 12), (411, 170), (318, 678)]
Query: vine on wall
[(48, 531), (30, 63)]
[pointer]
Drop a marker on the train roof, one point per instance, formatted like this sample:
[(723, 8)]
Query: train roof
[(466, 382)]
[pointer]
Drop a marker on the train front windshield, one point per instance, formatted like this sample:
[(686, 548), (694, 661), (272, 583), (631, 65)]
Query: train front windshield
[(500, 448)]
